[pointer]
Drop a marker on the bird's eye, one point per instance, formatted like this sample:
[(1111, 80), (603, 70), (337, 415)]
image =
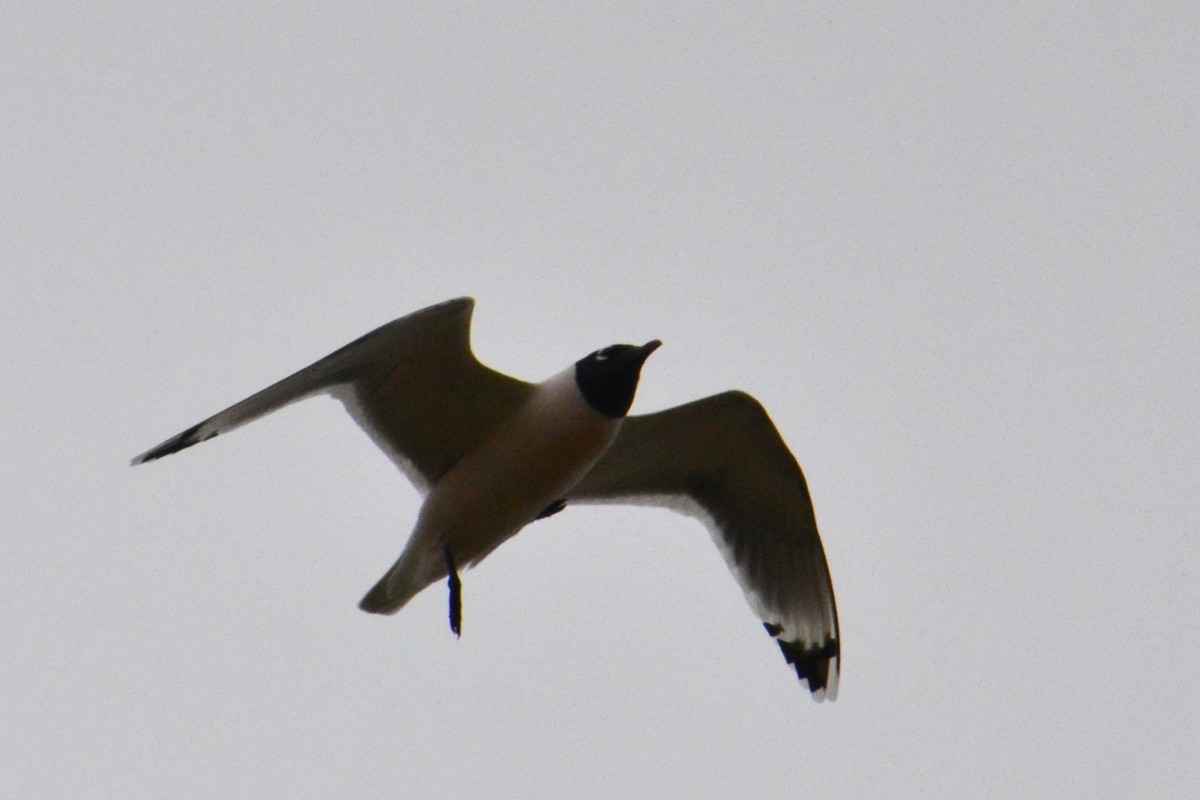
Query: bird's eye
[(601, 355)]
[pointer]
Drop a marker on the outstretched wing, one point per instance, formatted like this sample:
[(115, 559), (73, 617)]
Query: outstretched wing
[(722, 460), (413, 385)]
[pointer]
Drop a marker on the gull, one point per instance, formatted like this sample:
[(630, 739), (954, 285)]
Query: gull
[(491, 454)]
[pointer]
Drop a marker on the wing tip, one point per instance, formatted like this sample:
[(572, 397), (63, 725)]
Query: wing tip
[(464, 303), (173, 445), (817, 666)]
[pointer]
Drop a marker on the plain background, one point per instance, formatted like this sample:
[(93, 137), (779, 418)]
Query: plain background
[(951, 247)]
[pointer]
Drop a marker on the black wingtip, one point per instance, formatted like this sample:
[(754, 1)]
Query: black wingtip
[(813, 664), (173, 445)]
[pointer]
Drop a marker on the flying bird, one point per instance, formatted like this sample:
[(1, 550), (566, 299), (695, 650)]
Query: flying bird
[(491, 454)]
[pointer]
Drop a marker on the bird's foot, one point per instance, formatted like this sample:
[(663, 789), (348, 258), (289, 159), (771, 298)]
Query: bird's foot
[(455, 594)]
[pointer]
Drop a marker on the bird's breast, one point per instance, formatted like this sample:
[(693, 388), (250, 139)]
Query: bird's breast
[(531, 460)]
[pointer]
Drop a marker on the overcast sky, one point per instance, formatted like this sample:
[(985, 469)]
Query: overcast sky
[(952, 250)]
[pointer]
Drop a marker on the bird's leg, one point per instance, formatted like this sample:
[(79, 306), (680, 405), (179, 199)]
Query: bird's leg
[(455, 594)]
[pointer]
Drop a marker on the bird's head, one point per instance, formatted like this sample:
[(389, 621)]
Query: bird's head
[(608, 378)]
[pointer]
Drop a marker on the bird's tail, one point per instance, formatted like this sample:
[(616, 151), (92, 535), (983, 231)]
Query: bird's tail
[(399, 585), (381, 600)]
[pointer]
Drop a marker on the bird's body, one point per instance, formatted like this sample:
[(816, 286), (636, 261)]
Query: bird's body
[(492, 453), (531, 460)]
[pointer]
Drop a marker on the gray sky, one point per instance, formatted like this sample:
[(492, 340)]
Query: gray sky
[(953, 251)]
